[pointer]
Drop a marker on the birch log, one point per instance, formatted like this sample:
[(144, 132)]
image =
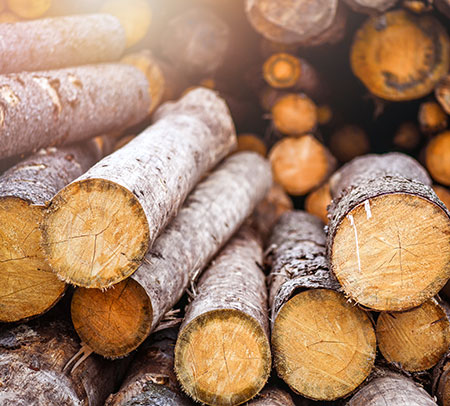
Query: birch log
[(48, 108), (389, 234), (323, 346), (215, 209), (118, 208), (28, 287), (60, 42), (222, 354)]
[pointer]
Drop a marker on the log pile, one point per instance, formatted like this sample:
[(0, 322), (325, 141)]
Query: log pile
[(224, 202)]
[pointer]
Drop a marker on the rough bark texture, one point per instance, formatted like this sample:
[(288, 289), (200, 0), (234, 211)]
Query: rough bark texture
[(150, 379), (272, 396), (371, 6), (53, 43), (56, 107), (388, 388), (32, 358), (27, 285), (291, 21), (196, 42), (233, 287), (297, 258), (441, 380), (215, 209), (155, 171)]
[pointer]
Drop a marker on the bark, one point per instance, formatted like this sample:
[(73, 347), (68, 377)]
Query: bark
[(441, 380), (291, 21), (150, 378), (386, 387), (32, 358), (53, 43), (58, 107), (27, 285), (442, 93), (231, 297), (215, 209), (153, 174), (371, 6), (196, 42), (272, 396)]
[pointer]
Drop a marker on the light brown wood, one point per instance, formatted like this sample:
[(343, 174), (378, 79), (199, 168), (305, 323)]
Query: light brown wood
[(251, 142), (414, 340), (134, 15), (317, 202), (432, 118), (407, 136), (348, 142), (399, 56), (8, 17), (300, 164), (294, 114), (437, 158), (442, 93), (29, 8)]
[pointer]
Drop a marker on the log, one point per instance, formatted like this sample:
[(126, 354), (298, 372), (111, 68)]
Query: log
[(134, 308), (437, 158), (442, 93), (146, 181), (272, 396), (388, 235), (300, 164), (348, 142), (407, 136), (150, 379), (39, 109), (251, 142), (288, 21), (324, 114), (268, 48), (370, 6), (28, 287), (443, 6), (8, 17), (60, 42), (134, 15), (268, 96), (196, 42), (29, 9), (294, 114), (418, 6), (391, 388), (400, 56), (432, 118), (32, 358), (222, 354), (414, 340), (443, 194), (323, 346), (317, 202), (441, 381)]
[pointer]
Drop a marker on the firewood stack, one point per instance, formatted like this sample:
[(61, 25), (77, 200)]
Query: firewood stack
[(225, 202)]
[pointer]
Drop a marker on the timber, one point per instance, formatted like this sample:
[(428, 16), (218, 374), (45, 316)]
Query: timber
[(442, 93), (407, 136), (29, 9), (52, 101), (317, 202), (399, 56), (436, 158), (118, 208), (251, 142), (441, 380), (371, 6), (324, 347), (28, 287), (222, 354), (388, 235), (443, 194), (432, 118), (59, 42), (348, 142), (272, 396), (133, 308)]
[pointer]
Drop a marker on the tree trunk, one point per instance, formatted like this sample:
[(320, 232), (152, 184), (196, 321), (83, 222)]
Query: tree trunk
[(150, 379), (215, 209), (317, 202), (414, 340), (399, 76), (441, 380), (272, 396), (222, 355), (388, 388), (370, 6), (437, 155), (301, 164), (60, 42), (28, 287), (32, 358), (146, 181), (63, 106), (288, 21), (323, 346), (432, 118), (388, 235), (442, 93), (196, 42)]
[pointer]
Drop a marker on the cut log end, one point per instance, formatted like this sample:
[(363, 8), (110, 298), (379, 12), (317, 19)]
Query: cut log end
[(251, 142), (392, 252), (282, 70), (115, 322), (22, 265), (324, 347), (432, 117), (436, 158), (222, 358), (317, 202), (416, 339), (399, 56), (99, 233), (29, 9)]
